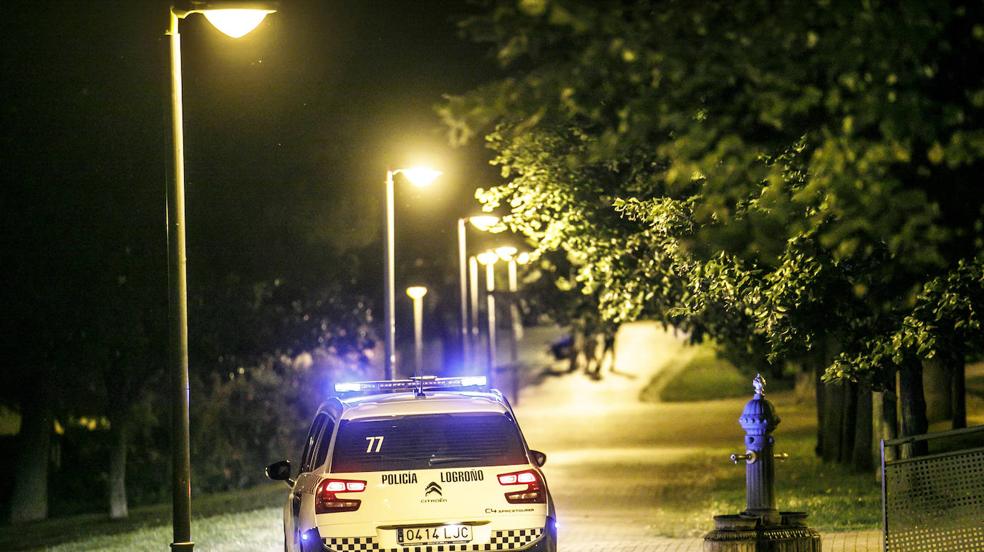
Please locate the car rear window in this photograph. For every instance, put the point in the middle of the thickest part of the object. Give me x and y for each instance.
(427, 441)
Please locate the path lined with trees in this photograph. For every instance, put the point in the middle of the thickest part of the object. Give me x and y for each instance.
(799, 182)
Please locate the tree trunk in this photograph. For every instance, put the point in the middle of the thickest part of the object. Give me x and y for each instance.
(805, 385)
(117, 469)
(913, 403)
(958, 391)
(861, 460)
(833, 419)
(848, 420)
(816, 364)
(888, 418)
(936, 383)
(820, 390)
(29, 499)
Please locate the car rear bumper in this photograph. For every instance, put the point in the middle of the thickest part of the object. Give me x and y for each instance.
(518, 540)
(539, 546)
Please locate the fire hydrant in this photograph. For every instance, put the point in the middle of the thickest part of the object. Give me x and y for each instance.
(761, 527)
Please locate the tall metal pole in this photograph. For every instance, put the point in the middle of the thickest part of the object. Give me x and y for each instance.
(516, 330)
(389, 302)
(515, 323)
(418, 336)
(490, 298)
(473, 287)
(178, 311)
(463, 289)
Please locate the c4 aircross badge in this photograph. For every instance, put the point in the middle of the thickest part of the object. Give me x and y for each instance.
(433, 487)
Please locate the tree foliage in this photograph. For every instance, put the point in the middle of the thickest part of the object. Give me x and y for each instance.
(769, 174)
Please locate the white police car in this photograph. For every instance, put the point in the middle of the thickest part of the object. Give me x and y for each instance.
(421, 465)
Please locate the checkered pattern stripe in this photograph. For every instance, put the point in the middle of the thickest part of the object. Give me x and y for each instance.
(515, 539)
(351, 544)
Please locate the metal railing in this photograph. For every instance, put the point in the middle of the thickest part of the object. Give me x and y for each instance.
(934, 502)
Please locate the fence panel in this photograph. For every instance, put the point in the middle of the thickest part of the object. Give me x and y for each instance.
(935, 503)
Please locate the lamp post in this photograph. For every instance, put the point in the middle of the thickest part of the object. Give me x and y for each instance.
(508, 253)
(417, 293)
(517, 323)
(485, 223)
(489, 259)
(418, 176)
(234, 22)
(473, 299)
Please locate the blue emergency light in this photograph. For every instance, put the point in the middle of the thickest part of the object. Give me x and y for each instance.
(418, 384)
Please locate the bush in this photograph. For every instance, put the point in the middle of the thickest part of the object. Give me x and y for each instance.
(245, 419)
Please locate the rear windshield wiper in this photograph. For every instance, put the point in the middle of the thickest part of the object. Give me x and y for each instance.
(449, 459)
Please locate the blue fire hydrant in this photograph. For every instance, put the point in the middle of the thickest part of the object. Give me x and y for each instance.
(761, 527)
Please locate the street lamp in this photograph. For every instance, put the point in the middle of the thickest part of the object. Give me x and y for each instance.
(489, 259)
(420, 177)
(485, 223)
(235, 20)
(473, 297)
(417, 293)
(508, 253)
(511, 256)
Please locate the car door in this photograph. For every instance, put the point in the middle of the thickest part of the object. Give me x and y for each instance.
(300, 483)
(324, 444)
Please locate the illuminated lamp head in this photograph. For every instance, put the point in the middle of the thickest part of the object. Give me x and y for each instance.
(486, 223)
(236, 22)
(416, 292)
(488, 257)
(420, 176)
(506, 252)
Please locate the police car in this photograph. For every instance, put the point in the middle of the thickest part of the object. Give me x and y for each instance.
(421, 465)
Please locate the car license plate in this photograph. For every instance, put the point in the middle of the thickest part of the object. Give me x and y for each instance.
(442, 534)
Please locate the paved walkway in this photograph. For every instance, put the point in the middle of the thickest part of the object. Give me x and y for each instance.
(611, 458)
(860, 541)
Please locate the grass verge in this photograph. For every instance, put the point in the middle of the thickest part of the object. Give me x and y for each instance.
(220, 516)
(687, 477)
(696, 374)
(705, 483)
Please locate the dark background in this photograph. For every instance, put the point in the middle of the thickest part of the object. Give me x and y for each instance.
(289, 132)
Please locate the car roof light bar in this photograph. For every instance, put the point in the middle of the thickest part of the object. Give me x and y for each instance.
(415, 384)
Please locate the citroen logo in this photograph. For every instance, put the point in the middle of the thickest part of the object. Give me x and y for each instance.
(433, 487)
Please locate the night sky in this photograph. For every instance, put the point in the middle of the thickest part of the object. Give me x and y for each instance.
(288, 133)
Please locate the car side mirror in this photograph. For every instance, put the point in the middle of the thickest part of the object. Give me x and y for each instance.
(280, 471)
(539, 457)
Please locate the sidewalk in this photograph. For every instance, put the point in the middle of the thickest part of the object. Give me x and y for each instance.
(860, 541)
(611, 448)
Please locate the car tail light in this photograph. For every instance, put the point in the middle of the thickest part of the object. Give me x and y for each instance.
(326, 501)
(532, 494)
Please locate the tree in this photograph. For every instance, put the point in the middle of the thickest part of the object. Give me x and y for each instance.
(776, 176)
(266, 354)
(126, 325)
(44, 339)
